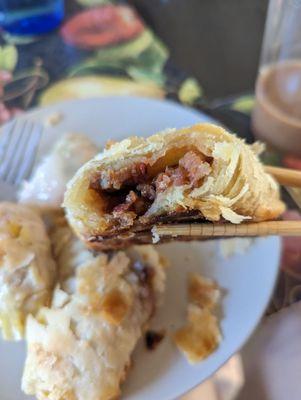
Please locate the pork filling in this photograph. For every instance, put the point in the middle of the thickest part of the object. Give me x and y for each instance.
(132, 190)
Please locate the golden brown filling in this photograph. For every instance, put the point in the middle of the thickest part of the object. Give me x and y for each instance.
(131, 190)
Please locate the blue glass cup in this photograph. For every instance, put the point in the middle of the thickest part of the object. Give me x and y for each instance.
(25, 20)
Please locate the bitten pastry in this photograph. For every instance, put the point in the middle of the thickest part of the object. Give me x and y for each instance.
(200, 172)
(47, 186)
(27, 270)
(80, 348)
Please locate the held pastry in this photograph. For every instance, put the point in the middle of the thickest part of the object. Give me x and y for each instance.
(81, 347)
(200, 172)
(27, 270)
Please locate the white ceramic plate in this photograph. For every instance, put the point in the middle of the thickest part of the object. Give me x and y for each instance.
(247, 279)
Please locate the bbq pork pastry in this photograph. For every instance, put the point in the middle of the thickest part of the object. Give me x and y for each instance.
(27, 270)
(80, 348)
(200, 172)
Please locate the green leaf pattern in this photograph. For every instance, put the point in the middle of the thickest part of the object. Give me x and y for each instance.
(8, 58)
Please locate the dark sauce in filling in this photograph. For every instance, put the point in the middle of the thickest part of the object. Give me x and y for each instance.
(145, 274)
(153, 339)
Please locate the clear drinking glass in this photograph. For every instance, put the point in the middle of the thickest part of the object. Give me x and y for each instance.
(24, 20)
(276, 118)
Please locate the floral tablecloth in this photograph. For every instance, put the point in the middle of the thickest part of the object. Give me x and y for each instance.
(105, 48)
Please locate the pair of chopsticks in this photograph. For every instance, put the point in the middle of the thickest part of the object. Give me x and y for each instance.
(195, 230)
(284, 176)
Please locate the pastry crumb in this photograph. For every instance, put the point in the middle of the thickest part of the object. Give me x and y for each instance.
(53, 119)
(258, 147)
(203, 292)
(201, 334)
(233, 246)
(155, 235)
(109, 144)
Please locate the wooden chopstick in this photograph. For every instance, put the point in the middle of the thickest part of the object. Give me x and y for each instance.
(295, 194)
(279, 228)
(285, 176)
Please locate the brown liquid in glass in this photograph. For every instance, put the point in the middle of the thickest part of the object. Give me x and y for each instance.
(276, 118)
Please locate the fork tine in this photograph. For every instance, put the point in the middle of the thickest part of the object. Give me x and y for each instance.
(5, 137)
(19, 152)
(29, 153)
(14, 139)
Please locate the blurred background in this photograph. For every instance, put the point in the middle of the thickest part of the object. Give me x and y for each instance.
(216, 41)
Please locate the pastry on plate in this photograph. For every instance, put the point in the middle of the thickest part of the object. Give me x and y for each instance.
(201, 334)
(27, 270)
(80, 348)
(47, 186)
(201, 172)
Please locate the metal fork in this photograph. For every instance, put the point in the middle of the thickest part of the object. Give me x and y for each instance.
(18, 147)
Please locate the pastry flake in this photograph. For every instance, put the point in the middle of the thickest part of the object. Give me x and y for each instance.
(201, 335)
(203, 292)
